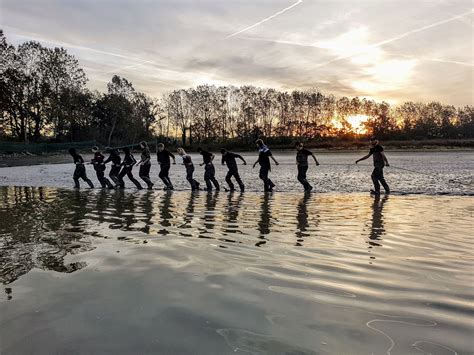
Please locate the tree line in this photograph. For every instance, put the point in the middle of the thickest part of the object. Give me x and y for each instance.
(43, 96)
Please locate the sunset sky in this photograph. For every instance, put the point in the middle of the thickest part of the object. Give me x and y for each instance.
(386, 50)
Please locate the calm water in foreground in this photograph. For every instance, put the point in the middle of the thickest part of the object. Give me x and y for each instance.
(151, 272)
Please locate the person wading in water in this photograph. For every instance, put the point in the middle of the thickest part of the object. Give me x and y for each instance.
(99, 167)
(127, 165)
(229, 159)
(380, 160)
(145, 165)
(80, 171)
(188, 163)
(264, 155)
(302, 155)
(209, 169)
(163, 155)
(114, 157)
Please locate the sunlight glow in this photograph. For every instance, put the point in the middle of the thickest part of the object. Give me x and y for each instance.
(356, 122)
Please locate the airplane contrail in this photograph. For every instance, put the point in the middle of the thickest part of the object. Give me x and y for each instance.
(265, 19)
(396, 38)
(128, 67)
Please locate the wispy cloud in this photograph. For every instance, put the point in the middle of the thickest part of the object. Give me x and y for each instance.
(265, 19)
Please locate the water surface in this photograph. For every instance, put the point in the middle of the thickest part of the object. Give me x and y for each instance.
(283, 273)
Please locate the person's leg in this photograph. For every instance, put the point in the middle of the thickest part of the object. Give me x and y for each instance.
(76, 178)
(239, 180)
(144, 174)
(101, 178)
(383, 182)
(375, 180)
(213, 177)
(229, 181)
(263, 175)
(163, 174)
(132, 179)
(167, 177)
(189, 177)
(86, 179)
(113, 174)
(120, 176)
(207, 177)
(302, 177)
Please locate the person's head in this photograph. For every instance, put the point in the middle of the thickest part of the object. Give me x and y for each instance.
(143, 145)
(259, 143)
(180, 151)
(299, 145)
(126, 150)
(72, 151)
(223, 151)
(161, 147)
(199, 149)
(114, 151)
(374, 141)
(95, 149)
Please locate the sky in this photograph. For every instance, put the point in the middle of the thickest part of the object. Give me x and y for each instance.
(380, 49)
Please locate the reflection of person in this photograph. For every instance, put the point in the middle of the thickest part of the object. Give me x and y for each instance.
(209, 169)
(80, 171)
(99, 167)
(264, 156)
(265, 217)
(188, 163)
(145, 165)
(147, 206)
(128, 162)
(302, 219)
(302, 155)
(163, 155)
(165, 211)
(377, 229)
(209, 215)
(380, 160)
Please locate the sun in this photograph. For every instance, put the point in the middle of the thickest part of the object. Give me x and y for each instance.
(356, 122)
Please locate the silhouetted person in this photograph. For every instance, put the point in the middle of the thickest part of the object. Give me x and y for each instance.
(99, 166)
(188, 163)
(127, 166)
(302, 155)
(80, 171)
(114, 157)
(145, 165)
(163, 155)
(380, 160)
(229, 159)
(264, 155)
(209, 169)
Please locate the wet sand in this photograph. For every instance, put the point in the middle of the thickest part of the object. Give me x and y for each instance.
(284, 273)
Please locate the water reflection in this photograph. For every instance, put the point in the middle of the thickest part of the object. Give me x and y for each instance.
(377, 228)
(302, 220)
(265, 218)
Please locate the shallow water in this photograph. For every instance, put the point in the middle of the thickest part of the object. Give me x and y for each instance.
(428, 173)
(283, 273)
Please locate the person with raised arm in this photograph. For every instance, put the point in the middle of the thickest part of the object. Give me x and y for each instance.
(99, 167)
(229, 159)
(127, 166)
(145, 165)
(209, 169)
(163, 156)
(114, 157)
(380, 161)
(80, 170)
(264, 156)
(188, 163)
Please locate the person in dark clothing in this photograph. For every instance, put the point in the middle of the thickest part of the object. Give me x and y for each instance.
(80, 171)
(380, 160)
(302, 155)
(163, 155)
(145, 165)
(229, 159)
(99, 167)
(264, 156)
(209, 169)
(127, 165)
(114, 157)
(188, 163)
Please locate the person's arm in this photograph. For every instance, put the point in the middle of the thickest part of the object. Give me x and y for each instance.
(315, 160)
(147, 158)
(108, 159)
(212, 157)
(241, 158)
(222, 160)
(274, 160)
(364, 157)
(258, 159)
(385, 159)
(172, 156)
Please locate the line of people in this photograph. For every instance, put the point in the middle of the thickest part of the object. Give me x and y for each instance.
(121, 168)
